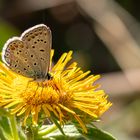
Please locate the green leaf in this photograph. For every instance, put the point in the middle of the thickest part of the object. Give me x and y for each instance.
(96, 134)
(5, 130)
(9, 127)
(70, 131)
(22, 136)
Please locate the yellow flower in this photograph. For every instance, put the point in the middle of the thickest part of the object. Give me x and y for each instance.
(69, 94)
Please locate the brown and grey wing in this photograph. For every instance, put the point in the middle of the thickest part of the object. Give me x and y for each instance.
(39, 41)
(15, 55)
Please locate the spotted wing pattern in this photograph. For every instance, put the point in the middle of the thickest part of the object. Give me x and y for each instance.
(29, 55)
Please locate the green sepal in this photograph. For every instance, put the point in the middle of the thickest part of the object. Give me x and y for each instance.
(57, 124)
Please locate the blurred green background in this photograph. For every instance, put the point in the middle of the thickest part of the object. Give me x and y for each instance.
(105, 38)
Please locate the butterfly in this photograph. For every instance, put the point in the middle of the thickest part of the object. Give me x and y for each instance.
(29, 54)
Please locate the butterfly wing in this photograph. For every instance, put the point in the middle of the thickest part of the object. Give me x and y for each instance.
(15, 56)
(39, 40)
(29, 55)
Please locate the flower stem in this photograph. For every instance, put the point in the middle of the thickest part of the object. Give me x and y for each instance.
(14, 127)
(47, 130)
